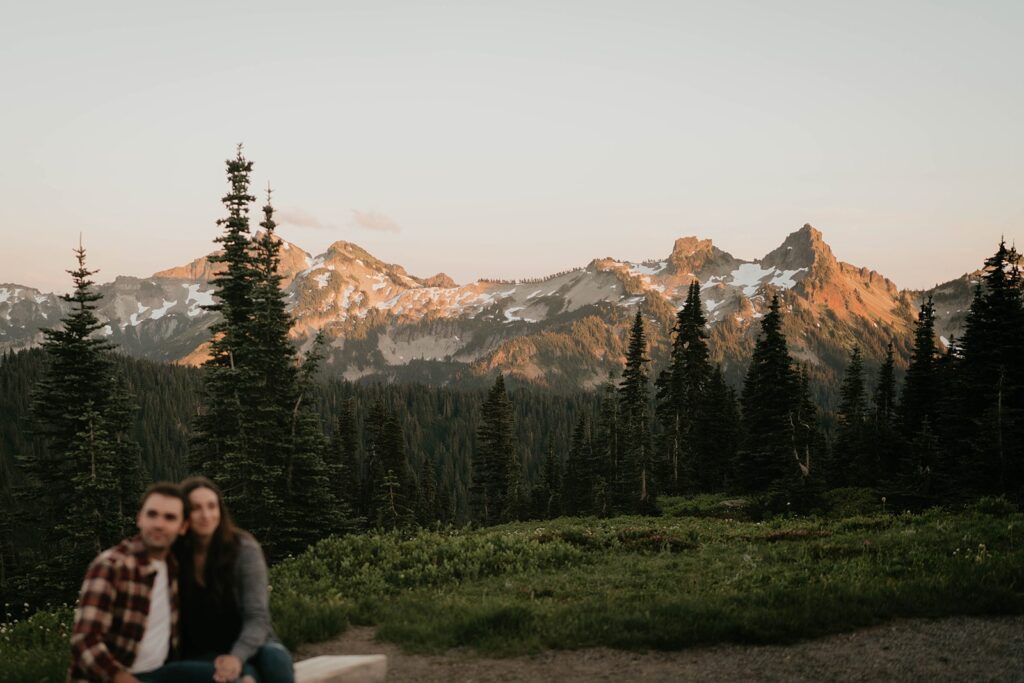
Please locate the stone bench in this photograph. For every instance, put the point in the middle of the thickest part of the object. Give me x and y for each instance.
(342, 669)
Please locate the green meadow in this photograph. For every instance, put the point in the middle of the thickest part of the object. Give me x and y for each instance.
(703, 572)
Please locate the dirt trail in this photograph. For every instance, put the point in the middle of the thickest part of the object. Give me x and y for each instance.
(955, 649)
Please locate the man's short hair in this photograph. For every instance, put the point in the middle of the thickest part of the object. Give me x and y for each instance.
(165, 488)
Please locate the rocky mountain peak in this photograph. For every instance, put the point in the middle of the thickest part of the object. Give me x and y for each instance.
(350, 251)
(804, 248)
(293, 261)
(689, 246)
(691, 255)
(440, 280)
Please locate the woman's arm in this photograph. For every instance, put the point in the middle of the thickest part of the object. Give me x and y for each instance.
(253, 603)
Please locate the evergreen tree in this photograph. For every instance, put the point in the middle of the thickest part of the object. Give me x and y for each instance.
(389, 495)
(374, 466)
(309, 508)
(84, 489)
(884, 426)
(681, 391)
(717, 433)
(606, 447)
(919, 408)
(853, 462)
(494, 462)
(226, 447)
(633, 490)
(547, 498)
(807, 480)
(989, 384)
(920, 389)
(580, 475)
(259, 436)
(344, 456)
(771, 459)
(426, 495)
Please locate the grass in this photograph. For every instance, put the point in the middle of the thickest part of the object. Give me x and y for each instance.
(696, 575)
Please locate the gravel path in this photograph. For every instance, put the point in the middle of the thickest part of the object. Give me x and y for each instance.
(955, 649)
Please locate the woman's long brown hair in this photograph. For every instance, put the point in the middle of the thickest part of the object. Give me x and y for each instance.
(219, 570)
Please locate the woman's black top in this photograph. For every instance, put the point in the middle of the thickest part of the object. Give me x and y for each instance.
(208, 626)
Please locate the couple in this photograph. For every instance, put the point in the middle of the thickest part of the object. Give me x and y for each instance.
(184, 601)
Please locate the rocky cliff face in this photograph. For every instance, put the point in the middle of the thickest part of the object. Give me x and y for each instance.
(564, 331)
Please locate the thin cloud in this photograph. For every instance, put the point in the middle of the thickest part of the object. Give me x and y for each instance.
(371, 220)
(300, 218)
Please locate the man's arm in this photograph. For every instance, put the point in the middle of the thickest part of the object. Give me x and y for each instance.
(92, 621)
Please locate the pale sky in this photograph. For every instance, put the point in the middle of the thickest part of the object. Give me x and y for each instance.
(513, 139)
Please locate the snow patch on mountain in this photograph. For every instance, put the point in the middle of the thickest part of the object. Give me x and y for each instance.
(196, 299)
(784, 279)
(313, 265)
(648, 267)
(133, 320)
(511, 317)
(749, 277)
(427, 347)
(158, 313)
(345, 297)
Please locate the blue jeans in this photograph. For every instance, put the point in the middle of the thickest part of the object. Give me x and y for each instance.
(185, 671)
(273, 664)
(189, 671)
(270, 664)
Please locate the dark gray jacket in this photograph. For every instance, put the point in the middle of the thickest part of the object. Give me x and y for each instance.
(252, 599)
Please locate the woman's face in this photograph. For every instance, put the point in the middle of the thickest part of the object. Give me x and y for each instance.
(204, 512)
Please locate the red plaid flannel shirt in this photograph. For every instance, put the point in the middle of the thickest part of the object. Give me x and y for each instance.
(112, 611)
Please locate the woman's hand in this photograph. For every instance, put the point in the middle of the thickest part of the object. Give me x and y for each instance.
(227, 668)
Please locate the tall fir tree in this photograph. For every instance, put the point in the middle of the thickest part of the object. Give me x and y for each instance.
(397, 493)
(225, 447)
(633, 489)
(579, 481)
(373, 477)
(920, 388)
(919, 408)
(547, 497)
(884, 432)
(494, 464)
(606, 446)
(426, 495)
(257, 435)
(853, 462)
(770, 460)
(344, 459)
(717, 433)
(681, 390)
(310, 510)
(989, 384)
(83, 492)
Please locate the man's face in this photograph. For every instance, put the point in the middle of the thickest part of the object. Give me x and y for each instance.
(161, 520)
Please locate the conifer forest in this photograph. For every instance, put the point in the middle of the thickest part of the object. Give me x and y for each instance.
(303, 455)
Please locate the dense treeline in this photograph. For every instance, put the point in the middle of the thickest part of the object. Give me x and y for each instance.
(82, 429)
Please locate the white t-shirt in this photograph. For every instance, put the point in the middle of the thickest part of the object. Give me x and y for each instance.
(156, 639)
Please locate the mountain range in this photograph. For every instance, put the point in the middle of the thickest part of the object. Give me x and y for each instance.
(564, 331)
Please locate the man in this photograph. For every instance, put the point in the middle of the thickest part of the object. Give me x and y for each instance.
(126, 623)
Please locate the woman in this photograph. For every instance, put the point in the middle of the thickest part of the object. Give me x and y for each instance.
(225, 614)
